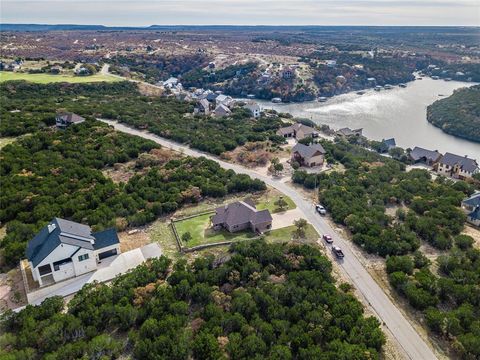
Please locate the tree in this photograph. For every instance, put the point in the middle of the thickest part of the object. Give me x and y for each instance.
(205, 347)
(281, 203)
(301, 225)
(186, 237)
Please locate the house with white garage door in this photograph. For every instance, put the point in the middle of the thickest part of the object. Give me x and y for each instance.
(65, 249)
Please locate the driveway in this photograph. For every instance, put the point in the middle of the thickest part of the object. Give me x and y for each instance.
(394, 321)
(286, 218)
(107, 270)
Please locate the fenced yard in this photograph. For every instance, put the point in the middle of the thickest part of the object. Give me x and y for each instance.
(201, 234)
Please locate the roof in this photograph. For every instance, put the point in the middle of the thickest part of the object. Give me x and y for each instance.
(475, 214)
(105, 238)
(465, 163)
(473, 200)
(204, 103)
(60, 231)
(212, 96)
(308, 151)
(240, 212)
(71, 117)
(418, 153)
(347, 131)
(390, 143)
(222, 109)
(252, 106)
(295, 128)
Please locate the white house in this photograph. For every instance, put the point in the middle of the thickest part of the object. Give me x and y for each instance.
(64, 249)
(254, 109)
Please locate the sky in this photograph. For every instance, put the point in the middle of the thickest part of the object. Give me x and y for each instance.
(242, 12)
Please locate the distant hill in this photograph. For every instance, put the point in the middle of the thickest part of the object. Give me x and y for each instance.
(459, 114)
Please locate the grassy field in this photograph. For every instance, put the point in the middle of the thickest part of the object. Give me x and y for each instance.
(269, 203)
(49, 78)
(161, 231)
(286, 234)
(201, 232)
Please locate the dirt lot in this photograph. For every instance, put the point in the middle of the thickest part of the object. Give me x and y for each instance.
(474, 233)
(12, 290)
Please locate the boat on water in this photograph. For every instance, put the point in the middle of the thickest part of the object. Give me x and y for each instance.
(388, 87)
(402, 85)
(361, 92)
(250, 96)
(276, 100)
(322, 99)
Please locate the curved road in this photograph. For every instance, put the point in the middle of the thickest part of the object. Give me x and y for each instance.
(409, 340)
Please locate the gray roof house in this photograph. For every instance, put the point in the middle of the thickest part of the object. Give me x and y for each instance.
(347, 132)
(222, 110)
(203, 107)
(241, 215)
(428, 157)
(64, 120)
(297, 131)
(64, 249)
(456, 166)
(313, 155)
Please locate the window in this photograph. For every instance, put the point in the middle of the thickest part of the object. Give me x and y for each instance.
(57, 264)
(83, 257)
(45, 269)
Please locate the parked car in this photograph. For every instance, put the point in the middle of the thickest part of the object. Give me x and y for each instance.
(338, 252)
(328, 238)
(320, 209)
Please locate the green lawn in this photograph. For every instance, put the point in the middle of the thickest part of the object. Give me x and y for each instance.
(286, 234)
(49, 78)
(269, 203)
(162, 232)
(201, 232)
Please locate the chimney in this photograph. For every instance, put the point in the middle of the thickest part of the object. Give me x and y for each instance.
(51, 227)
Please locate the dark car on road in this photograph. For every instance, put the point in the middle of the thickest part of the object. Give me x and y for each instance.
(338, 252)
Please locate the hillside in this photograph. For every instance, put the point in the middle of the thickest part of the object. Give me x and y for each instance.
(459, 114)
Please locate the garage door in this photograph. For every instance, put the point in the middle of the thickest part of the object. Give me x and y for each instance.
(106, 254)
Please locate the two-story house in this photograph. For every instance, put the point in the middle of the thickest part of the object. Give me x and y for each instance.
(456, 166)
(64, 249)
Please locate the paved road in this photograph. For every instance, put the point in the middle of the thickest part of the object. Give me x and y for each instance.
(409, 340)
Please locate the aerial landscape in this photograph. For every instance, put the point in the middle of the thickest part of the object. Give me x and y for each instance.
(240, 180)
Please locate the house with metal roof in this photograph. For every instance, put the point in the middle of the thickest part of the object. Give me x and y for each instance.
(64, 120)
(456, 166)
(242, 215)
(312, 155)
(64, 249)
(474, 217)
(421, 155)
(471, 203)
